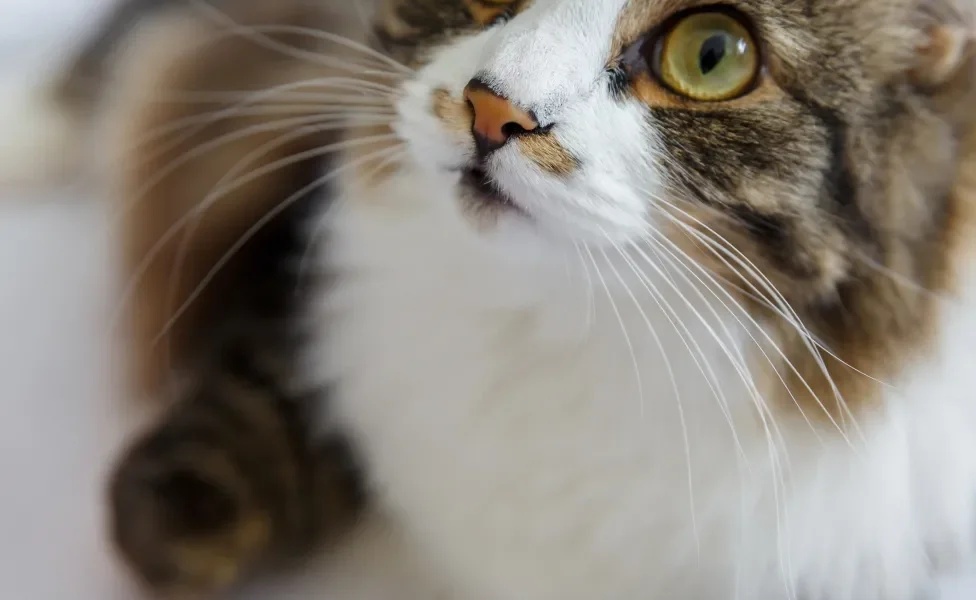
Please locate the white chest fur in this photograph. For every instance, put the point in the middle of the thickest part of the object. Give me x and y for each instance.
(550, 434)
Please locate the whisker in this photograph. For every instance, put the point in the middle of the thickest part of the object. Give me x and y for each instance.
(230, 186)
(754, 295)
(623, 328)
(780, 353)
(681, 267)
(378, 168)
(900, 279)
(291, 91)
(202, 149)
(706, 370)
(230, 110)
(688, 340)
(769, 425)
(776, 449)
(301, 116)
(767, 418)
(261, 223)
(727, 249)
(674, 385)
(216, 192)
(590, 301)
(371, 65)
(372, 74)
(214, 196)
(256, 33)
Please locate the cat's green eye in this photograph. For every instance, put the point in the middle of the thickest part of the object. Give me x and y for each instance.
(707, 56)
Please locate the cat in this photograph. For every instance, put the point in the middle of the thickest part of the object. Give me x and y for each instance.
(635, 299)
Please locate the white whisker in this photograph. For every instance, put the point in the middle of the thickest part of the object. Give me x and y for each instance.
(261, 223)
(674, 386)
(623, 329)
(378, 168)
(202, 149)
(231, 110)
(689, 341)
(590, 303)
(738, 361)
(256, 33)
(318, 89)
(301, 116)
(215, 195)
(776, 443)
(726, 251)
(216, 192)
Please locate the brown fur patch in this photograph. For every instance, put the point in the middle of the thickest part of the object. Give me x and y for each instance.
(545, 151)
(486, 11)
(408, 29)
(180, 69)
(887, 312)
(892, 314)
(833, 180)
(455, 113)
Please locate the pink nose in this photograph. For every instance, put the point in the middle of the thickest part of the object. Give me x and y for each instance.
(495, 118)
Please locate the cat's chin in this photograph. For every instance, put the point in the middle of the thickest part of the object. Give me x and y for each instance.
(479, 189)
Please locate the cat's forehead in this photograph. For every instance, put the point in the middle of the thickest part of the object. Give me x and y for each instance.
(796, 26)
(623, 18)
(596, 30)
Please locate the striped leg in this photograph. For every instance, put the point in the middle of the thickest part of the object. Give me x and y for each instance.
(229, 482)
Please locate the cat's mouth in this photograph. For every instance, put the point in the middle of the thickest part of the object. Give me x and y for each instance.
(484, 191)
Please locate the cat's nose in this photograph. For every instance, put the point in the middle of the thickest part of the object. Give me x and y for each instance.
(496, 119)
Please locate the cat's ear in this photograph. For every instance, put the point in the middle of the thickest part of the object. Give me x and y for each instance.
(948, 50)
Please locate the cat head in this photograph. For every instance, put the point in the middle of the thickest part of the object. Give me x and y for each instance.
(815, 145)
(595, 116)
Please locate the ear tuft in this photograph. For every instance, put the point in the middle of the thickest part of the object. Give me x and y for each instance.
(949, 44)
(946, 49)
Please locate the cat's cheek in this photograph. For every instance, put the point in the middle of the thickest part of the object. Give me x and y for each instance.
(440, 141)
(427, 140)
(609, 196)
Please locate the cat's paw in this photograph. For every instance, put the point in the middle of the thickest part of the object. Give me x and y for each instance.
(185, 525)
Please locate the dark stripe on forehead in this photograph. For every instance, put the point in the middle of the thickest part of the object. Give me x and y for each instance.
(839, 182)
(841, 186)
(769, 229)
(405, 27)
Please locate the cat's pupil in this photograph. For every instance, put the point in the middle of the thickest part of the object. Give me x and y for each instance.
(711, 54)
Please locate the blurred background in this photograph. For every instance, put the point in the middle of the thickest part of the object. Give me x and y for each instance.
(36, 29)
(57, 428)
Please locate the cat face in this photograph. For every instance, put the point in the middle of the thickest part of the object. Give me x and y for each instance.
(769, 120)
(815, 141)
(591, 162)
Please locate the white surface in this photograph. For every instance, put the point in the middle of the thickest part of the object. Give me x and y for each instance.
(55, 423)
(59, 421)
